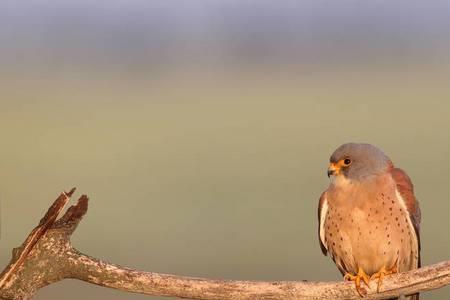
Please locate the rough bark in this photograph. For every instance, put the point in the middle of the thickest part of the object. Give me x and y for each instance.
(47, 256)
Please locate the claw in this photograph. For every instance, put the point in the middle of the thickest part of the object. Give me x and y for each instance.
(357, 279)
(382, 273)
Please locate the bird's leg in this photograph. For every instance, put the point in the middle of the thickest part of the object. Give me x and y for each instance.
(382, 273)
(357, 279)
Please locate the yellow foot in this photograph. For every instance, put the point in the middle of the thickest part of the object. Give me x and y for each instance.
(382, 273)
(357, 279)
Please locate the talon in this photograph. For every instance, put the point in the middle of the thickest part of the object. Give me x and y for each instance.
(381, 274)
(365, 279)
(357, 279)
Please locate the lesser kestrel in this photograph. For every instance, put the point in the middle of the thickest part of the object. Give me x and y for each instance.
(369, 218)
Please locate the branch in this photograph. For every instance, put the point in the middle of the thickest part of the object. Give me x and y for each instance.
(47, 256)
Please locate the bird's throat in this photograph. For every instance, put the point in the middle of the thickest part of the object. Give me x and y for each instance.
(340, 181)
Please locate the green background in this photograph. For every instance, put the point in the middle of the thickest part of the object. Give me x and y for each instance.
(202, 133)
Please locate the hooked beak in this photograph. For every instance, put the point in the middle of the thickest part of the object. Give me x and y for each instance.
(330, 173)
(333, 169)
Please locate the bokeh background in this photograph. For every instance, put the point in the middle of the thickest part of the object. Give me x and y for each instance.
(201, 130)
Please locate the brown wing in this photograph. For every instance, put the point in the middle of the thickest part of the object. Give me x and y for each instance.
(406, 190)
(321, 214)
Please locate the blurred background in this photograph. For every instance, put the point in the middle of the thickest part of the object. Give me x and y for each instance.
(201, 130)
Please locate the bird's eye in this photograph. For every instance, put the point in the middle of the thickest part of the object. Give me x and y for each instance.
(347, 161)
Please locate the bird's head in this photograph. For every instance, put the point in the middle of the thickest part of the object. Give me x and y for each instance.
(356, 162)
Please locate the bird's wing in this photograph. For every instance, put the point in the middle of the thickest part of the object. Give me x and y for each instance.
(322, 213)
(406, 190)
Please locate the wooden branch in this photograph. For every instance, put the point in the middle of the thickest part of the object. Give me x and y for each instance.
(47, 256)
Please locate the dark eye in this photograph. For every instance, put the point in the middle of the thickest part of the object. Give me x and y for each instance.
(347, 161)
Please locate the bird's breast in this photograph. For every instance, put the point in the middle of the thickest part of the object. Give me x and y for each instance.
(365, 226)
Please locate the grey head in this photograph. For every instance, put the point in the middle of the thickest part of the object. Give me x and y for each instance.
(358, 161)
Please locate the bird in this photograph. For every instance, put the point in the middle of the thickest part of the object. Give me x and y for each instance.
(369, 219)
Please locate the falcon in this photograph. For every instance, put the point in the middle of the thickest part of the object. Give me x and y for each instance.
(369, 218)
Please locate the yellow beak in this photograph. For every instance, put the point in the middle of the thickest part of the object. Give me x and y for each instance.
(333, 169)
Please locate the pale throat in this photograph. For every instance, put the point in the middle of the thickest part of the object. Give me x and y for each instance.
(340, 181)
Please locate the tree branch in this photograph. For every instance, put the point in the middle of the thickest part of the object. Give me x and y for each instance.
(47, 256)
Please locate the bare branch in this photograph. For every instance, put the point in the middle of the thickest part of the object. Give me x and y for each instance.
(109, 275)
(47, 256)
(19, 254)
